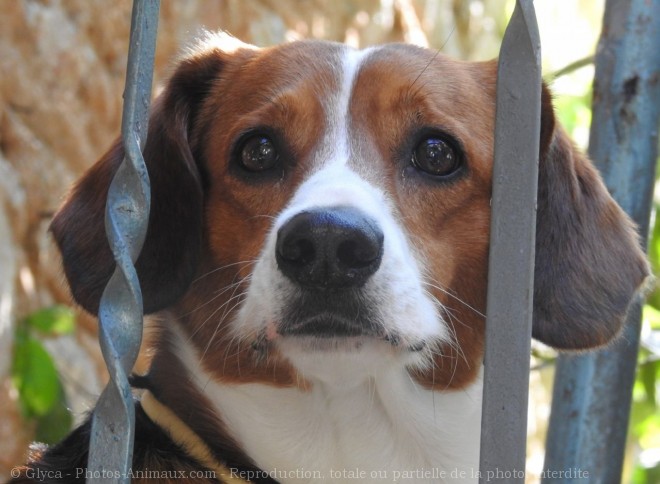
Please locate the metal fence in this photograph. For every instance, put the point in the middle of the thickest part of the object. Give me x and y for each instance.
(127, 215)
(592, 395)
(628, 50)
(512, 244)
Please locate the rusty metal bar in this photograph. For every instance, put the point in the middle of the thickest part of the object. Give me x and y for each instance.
(592, 393)
(511, 262)
(126, 218)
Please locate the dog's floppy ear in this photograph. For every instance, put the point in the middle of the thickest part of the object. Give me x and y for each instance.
(171, 250)
(589, 263)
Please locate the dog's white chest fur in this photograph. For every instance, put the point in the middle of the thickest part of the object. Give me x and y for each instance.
(382, 427)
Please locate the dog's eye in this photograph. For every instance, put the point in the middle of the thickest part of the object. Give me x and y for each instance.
(258, 153)
(436, 157)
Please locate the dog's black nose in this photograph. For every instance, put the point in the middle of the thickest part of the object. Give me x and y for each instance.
(336, 247)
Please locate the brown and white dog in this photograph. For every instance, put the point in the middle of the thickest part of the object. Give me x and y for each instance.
(316, 264)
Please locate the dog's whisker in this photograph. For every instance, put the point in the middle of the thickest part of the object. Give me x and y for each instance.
(455, 344)
(219, 325)
(222, 268)
(235, 339)
(443, 308)
(227, 288)
(203, 323)
(433, 58)
(453, 296)
(270, 217)
(451, 327)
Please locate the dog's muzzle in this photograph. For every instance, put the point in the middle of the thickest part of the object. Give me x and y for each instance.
(329, 254)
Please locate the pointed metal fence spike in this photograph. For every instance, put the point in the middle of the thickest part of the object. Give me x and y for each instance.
(511, 260)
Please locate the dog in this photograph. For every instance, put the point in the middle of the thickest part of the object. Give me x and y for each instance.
(316, 261)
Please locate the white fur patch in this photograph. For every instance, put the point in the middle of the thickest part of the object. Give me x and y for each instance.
(385, 428)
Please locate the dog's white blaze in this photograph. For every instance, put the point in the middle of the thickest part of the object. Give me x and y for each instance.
(335, 147)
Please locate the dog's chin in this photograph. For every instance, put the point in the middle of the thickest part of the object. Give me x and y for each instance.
(347, 356)
(329, 344)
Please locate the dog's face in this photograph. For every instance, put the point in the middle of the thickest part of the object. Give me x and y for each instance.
(350, 182)
(320, 211)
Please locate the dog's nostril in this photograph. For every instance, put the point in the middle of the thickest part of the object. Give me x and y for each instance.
(358, 254)
(299, 251)
(337, 247)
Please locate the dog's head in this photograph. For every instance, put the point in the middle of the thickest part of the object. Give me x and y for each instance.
(317, 207)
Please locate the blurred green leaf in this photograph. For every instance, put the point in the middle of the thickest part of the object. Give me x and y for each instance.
(41, 396)
(56, 424)
(34, 376)
(574, 111)
(55, 320)
(651, 315)
(648, 373)
(643, 475)
(653, 298)
(654, 247)
(649, 432)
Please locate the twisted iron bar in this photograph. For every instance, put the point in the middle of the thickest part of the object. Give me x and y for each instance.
(126, 219)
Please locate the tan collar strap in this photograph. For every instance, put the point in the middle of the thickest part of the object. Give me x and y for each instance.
(185, 437)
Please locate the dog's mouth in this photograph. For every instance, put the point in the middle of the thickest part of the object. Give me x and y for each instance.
(329, 325)
(331, 315)
(328, 331)
(339, 320)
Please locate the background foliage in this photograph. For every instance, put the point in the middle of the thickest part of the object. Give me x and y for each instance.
(40, 392)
